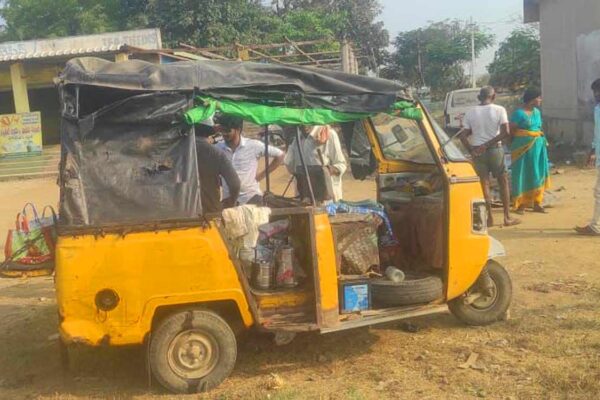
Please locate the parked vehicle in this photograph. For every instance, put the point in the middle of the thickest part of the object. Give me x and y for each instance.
(136, 264)
(456, 105)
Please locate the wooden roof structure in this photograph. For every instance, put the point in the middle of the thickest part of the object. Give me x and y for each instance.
(321, 53)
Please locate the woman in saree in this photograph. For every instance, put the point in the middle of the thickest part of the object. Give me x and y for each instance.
(530, 170)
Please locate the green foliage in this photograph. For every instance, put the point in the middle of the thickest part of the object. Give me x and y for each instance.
(28, 19)
(203, 23)
(517, 61)
(209, 22)
(354, 20)
(434, 56)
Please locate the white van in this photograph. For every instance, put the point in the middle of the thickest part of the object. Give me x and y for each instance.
(457, 103)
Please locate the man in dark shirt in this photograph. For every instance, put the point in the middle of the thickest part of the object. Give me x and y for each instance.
(213, 163)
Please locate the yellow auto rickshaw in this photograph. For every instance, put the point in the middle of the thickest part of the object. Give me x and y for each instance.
(138, 262)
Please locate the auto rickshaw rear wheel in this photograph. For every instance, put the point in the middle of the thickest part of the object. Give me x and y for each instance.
(192, 351)
(488, 300)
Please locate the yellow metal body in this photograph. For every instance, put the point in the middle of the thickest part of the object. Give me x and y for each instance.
(467, 251)
(147, 270)
(327, 284)
(179, 267)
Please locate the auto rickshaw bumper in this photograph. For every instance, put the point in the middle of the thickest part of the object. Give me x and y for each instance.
(496, 249)
(77, 331)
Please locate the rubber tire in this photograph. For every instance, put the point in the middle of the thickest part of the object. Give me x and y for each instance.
(413, 290)
(472, 316)
(169, 328)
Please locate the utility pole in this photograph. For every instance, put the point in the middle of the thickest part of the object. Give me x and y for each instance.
(473, 80)
(419, 62)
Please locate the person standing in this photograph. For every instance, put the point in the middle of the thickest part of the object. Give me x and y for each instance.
(593, 228)
(244, 154)
(320, 146)
(530, 168)
(485, 126)
(214, 165)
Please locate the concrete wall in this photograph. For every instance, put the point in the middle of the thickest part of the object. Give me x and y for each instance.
(561, 23)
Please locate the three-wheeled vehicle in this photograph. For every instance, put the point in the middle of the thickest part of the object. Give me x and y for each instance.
(138, 262)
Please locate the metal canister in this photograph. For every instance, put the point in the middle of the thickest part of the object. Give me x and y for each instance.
(285, 267)
(394, 274)
(263, 275)
(247, 258)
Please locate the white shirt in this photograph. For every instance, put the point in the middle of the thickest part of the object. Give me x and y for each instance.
(484, 123)
(245, 162)
(332, 155)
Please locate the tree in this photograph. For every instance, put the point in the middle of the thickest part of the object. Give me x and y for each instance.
(354, 20)
(517, 62)
(435, 55)
(35, 19)
(29, 19)
(204, 23)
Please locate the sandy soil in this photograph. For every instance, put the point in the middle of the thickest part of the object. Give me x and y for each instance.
(549, 348)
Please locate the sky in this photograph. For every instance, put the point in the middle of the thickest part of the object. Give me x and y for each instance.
(499, 17)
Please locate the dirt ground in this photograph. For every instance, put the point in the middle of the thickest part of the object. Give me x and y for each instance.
(548, 349)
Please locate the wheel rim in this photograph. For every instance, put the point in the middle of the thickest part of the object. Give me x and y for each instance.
(193, 354)
(487, 300)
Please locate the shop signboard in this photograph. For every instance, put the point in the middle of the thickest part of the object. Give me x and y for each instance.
(149, 39)
(20, 134)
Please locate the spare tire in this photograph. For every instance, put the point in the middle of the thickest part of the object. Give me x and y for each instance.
(414, 289)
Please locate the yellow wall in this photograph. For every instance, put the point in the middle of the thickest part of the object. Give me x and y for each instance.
(18, 81)
(41, 95)
(37, 75)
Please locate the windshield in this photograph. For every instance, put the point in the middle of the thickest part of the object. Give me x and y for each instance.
(401, 139)
(453, 148)
(465, 99)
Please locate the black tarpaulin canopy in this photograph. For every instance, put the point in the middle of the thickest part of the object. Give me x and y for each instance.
(237, 80)
(127, 156)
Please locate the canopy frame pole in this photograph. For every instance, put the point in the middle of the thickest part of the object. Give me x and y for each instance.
(304, 167)
(267, 177)
(77, 101)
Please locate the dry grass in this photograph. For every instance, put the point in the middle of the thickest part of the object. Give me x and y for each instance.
(549, 349)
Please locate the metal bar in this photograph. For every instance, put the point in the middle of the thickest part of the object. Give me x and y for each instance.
(266, 46)
(267, 178)
(319, 53)
(304, 167)
(119, 228)
(388, 316)
(202, 52)
(267, 57)
(302, 51)
(325, 61)
(77, 101)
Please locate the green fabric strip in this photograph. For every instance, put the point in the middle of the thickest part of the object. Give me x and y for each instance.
(267, 115)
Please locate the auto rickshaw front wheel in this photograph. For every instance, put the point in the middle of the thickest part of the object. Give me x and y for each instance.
(192, 351)
(488, 300)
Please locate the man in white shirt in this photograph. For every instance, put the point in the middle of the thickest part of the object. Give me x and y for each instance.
(485, 126)
(593, 228)
(320, 146)
(244, 154)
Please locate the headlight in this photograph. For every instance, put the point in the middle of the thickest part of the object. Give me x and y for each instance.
(479, 217)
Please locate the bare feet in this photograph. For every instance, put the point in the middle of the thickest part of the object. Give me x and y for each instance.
(512, 222)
